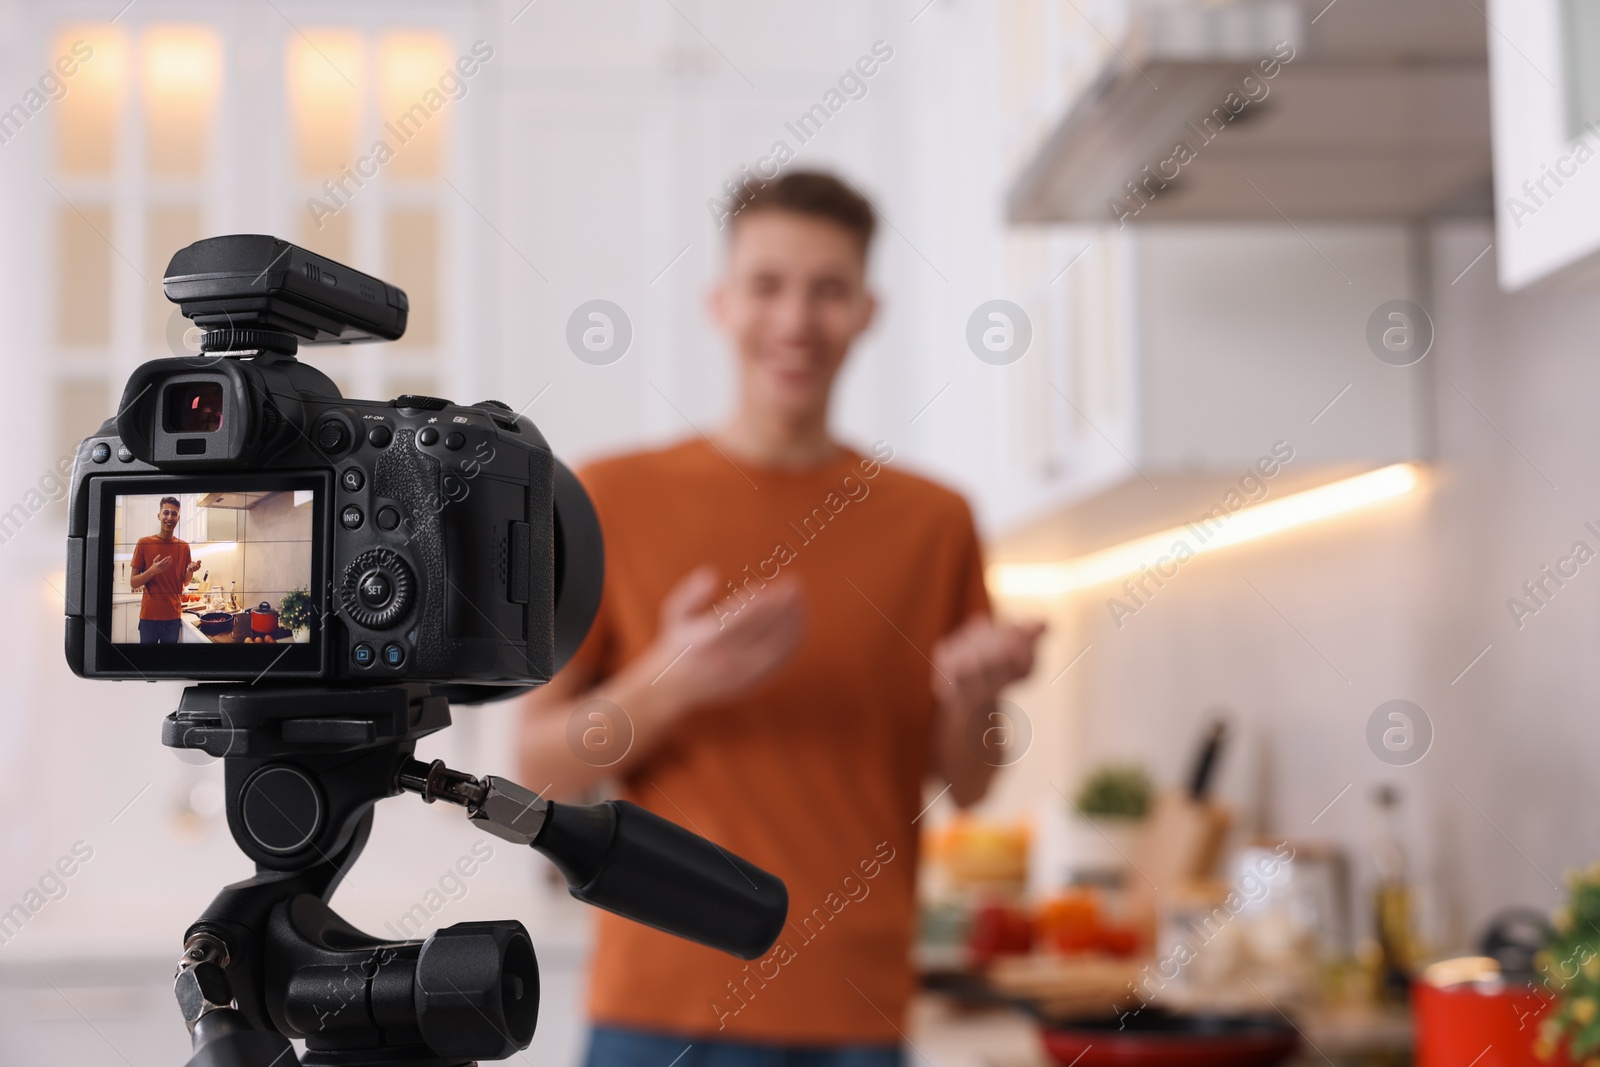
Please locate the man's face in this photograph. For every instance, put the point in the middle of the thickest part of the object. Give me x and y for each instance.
(792, 302)
(168, 516)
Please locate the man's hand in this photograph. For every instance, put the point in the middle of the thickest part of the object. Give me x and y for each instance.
(708, 652)
(980, 658)
(970, 668)
(160, 566)
(193, 567)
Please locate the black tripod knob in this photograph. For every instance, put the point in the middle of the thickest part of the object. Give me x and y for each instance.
(477, 990)
(469, 992)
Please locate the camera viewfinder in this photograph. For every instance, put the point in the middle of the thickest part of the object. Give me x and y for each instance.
(193, 407)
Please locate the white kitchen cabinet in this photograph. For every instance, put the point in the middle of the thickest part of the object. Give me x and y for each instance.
(1544, 68)
(125, 622)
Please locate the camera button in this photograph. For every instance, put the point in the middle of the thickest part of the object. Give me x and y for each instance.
(375, 590)
(388, 518)
(393, 655)
(331, 436)
(363, 655)
(125, 454)
(419, 401)
(353, 479)
(454, 440)
(351, 518)
(100, 453)
(427, 436)
(379, 437)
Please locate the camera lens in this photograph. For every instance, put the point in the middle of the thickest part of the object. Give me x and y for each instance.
(193, 407)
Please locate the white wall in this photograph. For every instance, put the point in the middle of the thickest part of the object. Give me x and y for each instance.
(1304, 635)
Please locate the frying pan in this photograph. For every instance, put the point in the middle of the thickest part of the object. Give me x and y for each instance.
(213, 623)
(1157, 1038)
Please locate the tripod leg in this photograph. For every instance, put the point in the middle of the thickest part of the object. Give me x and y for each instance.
(224, 1039)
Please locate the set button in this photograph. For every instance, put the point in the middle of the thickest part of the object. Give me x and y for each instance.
(375, 590)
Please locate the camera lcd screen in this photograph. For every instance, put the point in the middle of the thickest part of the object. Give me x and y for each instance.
(217, 568)
(210, 576)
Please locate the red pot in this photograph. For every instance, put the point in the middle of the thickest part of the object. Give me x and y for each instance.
(264, 620)
(1456, 1024)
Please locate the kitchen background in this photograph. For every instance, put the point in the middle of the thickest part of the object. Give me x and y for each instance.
(1378, 257)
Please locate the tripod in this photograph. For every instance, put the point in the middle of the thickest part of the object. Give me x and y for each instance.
(269, 959)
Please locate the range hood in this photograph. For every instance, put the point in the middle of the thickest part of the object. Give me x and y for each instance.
(1375, 110)
(1294, 229)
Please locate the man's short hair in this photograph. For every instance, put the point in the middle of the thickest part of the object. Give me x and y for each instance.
(171, 500)
(818, 195)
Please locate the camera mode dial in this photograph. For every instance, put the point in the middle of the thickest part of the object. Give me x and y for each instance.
(378, 589)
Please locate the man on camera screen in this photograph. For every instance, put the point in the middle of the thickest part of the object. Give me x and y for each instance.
(793, 639)
(160, 568)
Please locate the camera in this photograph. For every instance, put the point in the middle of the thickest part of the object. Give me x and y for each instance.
(368, 563)
(238, 517)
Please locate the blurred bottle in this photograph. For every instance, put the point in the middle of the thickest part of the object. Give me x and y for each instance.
(1392, 902)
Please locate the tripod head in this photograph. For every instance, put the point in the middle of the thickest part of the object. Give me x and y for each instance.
(270, 960)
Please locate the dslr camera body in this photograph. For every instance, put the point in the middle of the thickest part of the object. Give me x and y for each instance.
(435, 542)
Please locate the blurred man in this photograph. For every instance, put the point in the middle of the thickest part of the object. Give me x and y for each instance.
(793, 639)
(161, 568)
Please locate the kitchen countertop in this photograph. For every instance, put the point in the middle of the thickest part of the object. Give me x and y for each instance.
(945, 1034)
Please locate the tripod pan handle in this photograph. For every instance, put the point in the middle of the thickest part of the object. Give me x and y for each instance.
(630, 861)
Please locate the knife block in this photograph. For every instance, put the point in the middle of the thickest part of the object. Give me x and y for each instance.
(1181, 841)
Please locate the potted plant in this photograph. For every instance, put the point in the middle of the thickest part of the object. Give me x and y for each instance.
(1569, 967)
(296, 611)
(1111, 805)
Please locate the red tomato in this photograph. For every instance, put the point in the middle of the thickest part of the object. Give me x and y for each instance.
(999, 930)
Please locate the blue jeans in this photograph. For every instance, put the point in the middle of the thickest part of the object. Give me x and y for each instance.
(160, 631)
(613, 1047)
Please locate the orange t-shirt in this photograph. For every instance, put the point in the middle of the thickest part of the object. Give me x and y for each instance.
(163, 594)
(817, 774)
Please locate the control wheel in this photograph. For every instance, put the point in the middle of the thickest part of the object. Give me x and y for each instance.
(378, 589)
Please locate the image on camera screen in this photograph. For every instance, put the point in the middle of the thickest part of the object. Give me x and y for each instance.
(220, 568)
